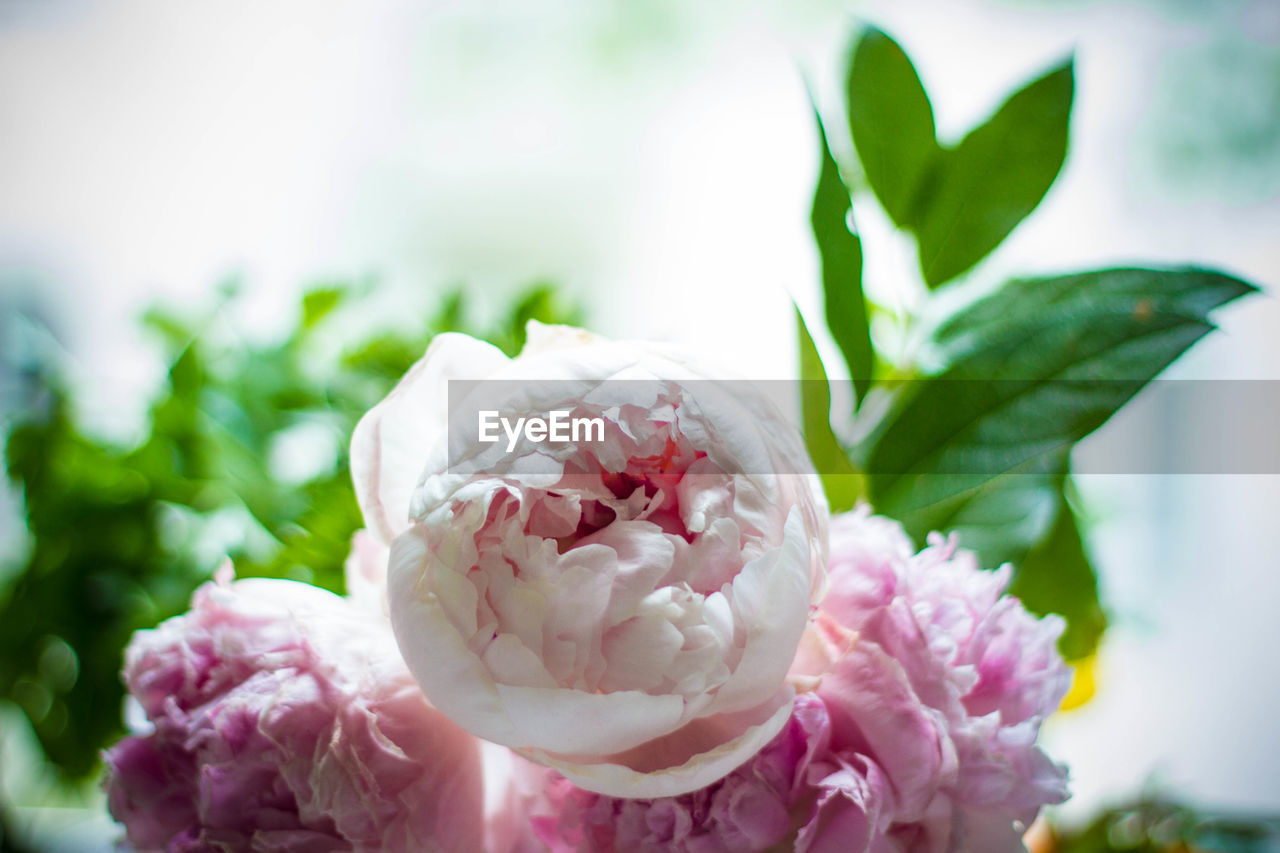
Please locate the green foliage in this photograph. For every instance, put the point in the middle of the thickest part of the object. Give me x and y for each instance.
(540, 302)
(1057, 576)
(98, 571)
(1155, 825)
(841, 253)
(979, 443)
(843, 484)
(891, 121)
(1031, 370)
(982, 447)
(960, 201)
(995, 177)
(122, 536)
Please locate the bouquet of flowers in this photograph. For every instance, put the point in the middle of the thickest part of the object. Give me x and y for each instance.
(676, 643)
(605, 595)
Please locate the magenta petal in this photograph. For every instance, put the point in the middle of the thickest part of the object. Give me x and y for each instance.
(292, 724)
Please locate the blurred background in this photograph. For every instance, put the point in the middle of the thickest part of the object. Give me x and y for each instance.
(654, 160)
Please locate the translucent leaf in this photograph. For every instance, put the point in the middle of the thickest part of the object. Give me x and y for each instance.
(841, 481)
(985, 186)
(891, 120)
(841, 254)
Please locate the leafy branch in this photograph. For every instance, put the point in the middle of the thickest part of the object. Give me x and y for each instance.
(979, 441)
(121, 536)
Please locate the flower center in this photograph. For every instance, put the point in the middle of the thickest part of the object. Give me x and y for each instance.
(614, 577)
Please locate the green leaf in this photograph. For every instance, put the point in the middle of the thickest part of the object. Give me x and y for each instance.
(1057, 576)
(961, 201)
(997, 175)
(121, 536)
(892, 124)
(1032, 369)
(1158, 824)
(982, 448)
(319, 303)
(841, 255)
(1025, 519)
(95, 573)
(539, 302)
(1137, 297)
(842, 482)
(175, 333)
(1001, 520)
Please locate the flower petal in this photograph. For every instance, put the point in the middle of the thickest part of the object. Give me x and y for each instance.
(694, 756)
(391, 442)
(874, 711)
(453, 676)
(772, 600)
(576, 722)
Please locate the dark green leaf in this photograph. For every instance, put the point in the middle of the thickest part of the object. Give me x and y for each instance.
(840, 480)
(1025, 519)
(892, 124)
(1000, 520)
(1031, 370)
(960, 202)
(841, 256)
(121, 536)
(96, 573)
(1056, 576)
(1137, 296)
(985, 186)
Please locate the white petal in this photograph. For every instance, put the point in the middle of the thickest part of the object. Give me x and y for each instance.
(643, 555)
(541, 337)
(511, 661)
(693, 757)
(770, 597)
(390, 445)
(580, 723)
(522, 612)
(639, 652)
(451, 675)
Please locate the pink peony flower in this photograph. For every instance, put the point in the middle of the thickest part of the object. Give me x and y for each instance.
(944, 686)
(623, 609)
(282, 718)
(748, 811)
(925, 689)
